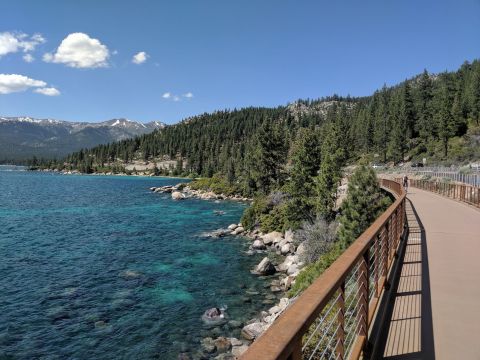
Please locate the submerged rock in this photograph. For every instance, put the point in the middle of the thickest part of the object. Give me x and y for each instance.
(222, 344)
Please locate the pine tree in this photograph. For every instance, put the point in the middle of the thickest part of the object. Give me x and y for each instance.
(407, 111)
(363, 204)
(445, 119)
(425, 123)
(305, 159)
(399, 131)
(475, 95)
(270, 156)
(330, 174)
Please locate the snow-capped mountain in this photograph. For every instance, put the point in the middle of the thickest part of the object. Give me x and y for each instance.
(24, 137)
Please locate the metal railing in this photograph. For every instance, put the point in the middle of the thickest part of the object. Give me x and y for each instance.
(332, 317)
(461, 192)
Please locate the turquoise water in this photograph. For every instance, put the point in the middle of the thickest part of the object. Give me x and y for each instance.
(96, 267)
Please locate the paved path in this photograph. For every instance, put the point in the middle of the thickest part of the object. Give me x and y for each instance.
(436, 310)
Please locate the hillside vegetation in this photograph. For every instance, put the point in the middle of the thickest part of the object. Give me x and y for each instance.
(432, 116)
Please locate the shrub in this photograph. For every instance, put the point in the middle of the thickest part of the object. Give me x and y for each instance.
(318, 238)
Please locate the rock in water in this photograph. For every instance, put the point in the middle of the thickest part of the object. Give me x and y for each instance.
(177, 195)
(265, 267)
(238, 230)
(213, 316)
(232, 227)
(222, 344)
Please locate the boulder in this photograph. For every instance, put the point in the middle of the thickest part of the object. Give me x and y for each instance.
(301, 249)
(287, 248)
(232, 226)
(208, 345)
(258, 245)
(289, 261)
(225, 356)
(265, 267)
(239, 350)
(272, 238)
(234, 324)
(238, 230)
(177, 195)
(222, 344)
(275, 309)
(287, 282)
(253, 331)
(235, 342)
(293, 269)
(289, 236)
(283, 303)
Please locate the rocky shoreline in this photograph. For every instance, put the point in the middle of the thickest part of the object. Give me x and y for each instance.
(183, 191)
(281, 265)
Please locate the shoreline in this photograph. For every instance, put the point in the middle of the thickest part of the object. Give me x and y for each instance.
(279, 276)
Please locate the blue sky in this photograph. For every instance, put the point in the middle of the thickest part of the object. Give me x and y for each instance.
(217, 54)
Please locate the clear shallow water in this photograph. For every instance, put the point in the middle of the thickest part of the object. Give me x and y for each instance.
(100, 267)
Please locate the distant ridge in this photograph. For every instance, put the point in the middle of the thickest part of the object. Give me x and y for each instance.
(23, 137)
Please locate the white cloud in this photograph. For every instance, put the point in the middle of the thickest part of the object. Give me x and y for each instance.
(28, 58)
(173, 97)
(49, 91)
(78, 50)
(140, 58)
(10, 83)
(14, 42)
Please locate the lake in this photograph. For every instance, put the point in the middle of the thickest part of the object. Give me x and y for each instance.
(99, 267)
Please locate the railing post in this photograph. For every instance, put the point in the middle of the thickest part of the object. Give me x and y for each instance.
(340, 348)
(297, 350)
(377, 275)
(363, 293)
(385, 249)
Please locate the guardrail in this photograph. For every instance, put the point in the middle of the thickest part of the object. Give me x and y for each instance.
(332, 317)
(465, 193)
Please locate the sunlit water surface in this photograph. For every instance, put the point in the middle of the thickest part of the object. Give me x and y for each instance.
(97, 267)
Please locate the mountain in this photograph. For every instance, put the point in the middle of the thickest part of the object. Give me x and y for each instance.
(24, 137)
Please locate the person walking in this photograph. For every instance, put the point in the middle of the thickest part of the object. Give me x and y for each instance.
(405, 183)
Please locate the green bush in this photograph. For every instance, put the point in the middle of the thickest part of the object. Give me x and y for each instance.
(217, 184)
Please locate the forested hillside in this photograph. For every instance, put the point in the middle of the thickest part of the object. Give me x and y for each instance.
(435, 116)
